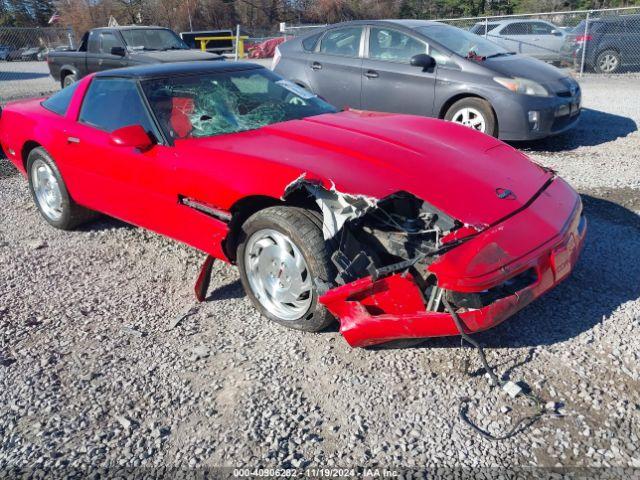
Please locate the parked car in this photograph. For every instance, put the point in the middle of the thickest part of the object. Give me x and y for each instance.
(612, 43)
(4, 52)
(536, 38)
(31, 54)
(400, 226)
(436, 70)
(107, 48)
(15, 55)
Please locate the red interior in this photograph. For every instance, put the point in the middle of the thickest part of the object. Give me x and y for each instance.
(182, 107)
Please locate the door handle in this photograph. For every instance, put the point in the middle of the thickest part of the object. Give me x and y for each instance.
(316, 66)
(100, 62)
(73, 140)
(371, 74)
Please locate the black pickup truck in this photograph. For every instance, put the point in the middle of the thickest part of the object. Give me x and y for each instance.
(107, 48)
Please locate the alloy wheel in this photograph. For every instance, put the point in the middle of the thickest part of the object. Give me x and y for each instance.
(608, 63)
(470, 117)
(47, 190)
(278, 274)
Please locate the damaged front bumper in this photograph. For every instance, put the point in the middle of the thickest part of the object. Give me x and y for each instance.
(488, 279)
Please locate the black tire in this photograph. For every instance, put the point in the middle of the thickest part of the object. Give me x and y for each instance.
(608, 61)
(68, 80)
(72, 213)
(304, 229)
(481, 106)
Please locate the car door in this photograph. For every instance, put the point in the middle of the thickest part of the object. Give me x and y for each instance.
(106, 60)
(123, 182)
(515, 37)
(547, 41)
(334, 69)
(389, 82)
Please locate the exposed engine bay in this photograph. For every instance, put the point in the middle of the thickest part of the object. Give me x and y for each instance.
(403, 268)
(375, 238)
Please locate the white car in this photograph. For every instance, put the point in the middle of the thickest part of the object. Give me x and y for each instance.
(536, 38)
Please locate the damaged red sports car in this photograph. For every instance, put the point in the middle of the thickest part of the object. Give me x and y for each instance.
(398, 226)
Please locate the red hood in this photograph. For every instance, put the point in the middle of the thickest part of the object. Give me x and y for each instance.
(451, 167)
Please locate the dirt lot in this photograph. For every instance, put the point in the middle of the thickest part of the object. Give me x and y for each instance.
(91, 375)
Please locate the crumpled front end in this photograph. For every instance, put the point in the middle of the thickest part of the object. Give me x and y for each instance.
(397, 258)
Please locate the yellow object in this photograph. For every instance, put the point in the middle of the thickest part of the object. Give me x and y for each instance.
(204, 40)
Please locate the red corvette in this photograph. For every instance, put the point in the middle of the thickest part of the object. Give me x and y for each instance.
(396, 225)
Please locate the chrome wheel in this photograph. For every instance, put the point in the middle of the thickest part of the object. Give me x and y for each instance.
(278, 274)
(608, 63)
(68, 80)
(470, 117)
(47, 190)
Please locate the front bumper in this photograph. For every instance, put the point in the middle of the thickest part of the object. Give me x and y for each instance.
(392, 308)
(556, 115)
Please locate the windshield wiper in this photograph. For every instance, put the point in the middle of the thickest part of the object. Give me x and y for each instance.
(500, 54)
(174, 48)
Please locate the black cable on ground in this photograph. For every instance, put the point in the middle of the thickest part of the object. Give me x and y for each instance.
(521, 424)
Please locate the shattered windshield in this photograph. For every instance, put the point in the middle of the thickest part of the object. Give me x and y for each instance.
(463, 43)
(228, 102)
(153, 39)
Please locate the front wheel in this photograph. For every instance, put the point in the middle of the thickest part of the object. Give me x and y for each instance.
(69, 79)
(608, 61)
(285, 266)
(475, 113)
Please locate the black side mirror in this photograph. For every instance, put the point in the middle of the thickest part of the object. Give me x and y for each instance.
(557, 33)
(119, 51)
(423, 60)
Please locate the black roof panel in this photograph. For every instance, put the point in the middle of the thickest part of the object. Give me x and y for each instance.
(159, 70)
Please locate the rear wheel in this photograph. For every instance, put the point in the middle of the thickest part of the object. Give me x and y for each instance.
(608, 61)
(50, 193)
(474, 113)
(69, 79)
(285, 266)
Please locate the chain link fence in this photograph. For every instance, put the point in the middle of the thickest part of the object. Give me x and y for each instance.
(23, 53)
(600, 41)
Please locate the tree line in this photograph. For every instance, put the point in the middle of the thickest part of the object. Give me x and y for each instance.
(261, 17)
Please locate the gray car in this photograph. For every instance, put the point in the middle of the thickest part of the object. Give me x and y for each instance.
(536, 38)
(436, 70)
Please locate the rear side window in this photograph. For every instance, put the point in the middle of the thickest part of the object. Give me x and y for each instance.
(309, 43)
(480, 29)
(59, 102)
(83, 42)
(594, 27)
(110, 104)
(342, 41)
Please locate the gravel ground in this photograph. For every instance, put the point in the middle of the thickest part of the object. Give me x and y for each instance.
(91, 374)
